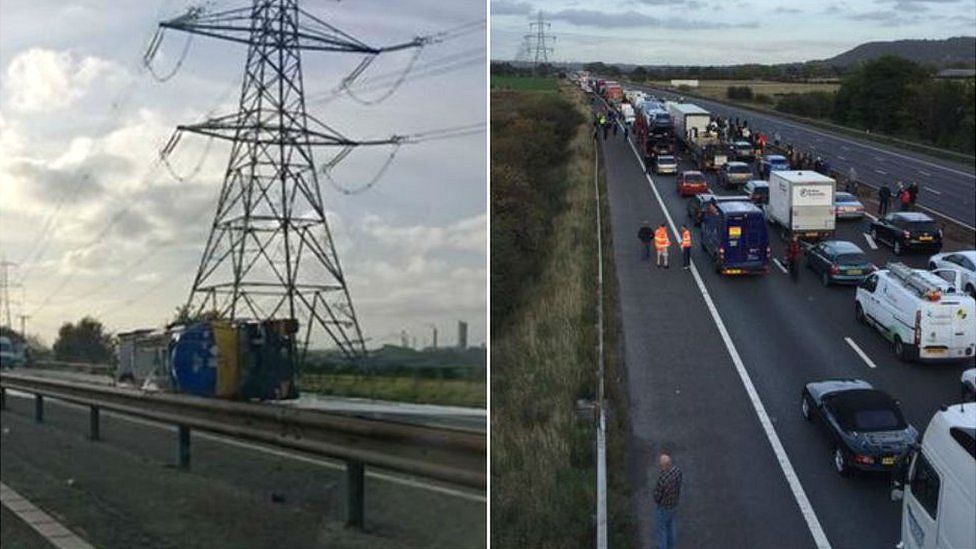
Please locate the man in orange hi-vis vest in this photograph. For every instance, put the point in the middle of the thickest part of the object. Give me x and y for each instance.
(685, 246)
(661, 244)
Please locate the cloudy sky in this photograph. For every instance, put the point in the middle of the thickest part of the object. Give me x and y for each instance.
(99, 227)
(722, 32)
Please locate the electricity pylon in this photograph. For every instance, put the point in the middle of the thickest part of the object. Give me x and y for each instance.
(541, 50)
(270, 253)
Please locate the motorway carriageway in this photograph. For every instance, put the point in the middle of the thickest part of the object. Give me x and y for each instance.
(686, 383)
(946, 187)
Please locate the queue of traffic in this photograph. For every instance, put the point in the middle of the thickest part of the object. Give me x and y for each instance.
(927, 315)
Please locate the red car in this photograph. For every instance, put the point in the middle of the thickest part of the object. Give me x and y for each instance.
(691, 183)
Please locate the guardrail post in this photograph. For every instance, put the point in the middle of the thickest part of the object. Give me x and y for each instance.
(356, 494)
(184, 447)
(39, 408)
(93, 427)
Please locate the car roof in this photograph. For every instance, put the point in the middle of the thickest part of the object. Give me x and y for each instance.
(691, 172)
(843, 246)
(775, 157)
(758, 183)
(853, 400)
(742, 142)
(743, 205)
(743, 164)
(912, 216)
(844, 195)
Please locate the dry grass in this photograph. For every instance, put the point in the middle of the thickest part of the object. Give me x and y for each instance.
(421, 390)
(542, 454)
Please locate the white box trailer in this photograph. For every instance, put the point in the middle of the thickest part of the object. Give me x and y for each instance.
(688, 117)
(802, 203)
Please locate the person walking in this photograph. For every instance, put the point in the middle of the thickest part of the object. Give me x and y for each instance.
(661, 244)
(606, 129)
(646, 235)
(667, 491)
(685, 247)
(905, 199)
(615, 125)
(852, 175)
(884, 196)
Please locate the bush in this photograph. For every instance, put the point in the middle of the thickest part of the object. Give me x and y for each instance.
(763, 98)
(818, 104)
(740, 93)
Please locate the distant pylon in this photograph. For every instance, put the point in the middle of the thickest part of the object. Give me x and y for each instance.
(541, 49)
(5, 286)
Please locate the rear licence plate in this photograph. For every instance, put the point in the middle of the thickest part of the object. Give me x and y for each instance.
(925, 238)
(855, 272)
(888, 461)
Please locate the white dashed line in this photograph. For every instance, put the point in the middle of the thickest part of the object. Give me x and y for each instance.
(931, 190)
(925, 173)
(871, 242)
(844, 158)
(882, 172)
(860, 353)
(780, 265)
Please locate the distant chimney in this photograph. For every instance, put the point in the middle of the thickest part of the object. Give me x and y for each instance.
(434, 341)
(462, 338)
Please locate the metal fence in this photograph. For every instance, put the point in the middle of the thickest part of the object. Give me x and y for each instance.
(457, 456)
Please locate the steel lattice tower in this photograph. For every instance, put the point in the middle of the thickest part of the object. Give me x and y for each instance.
(540, 49)
(270, 253)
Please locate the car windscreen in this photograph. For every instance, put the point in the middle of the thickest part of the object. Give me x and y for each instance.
(853, 258)
(694, 178)
(665, 160)
(739, 169)
(921, 226)
(844, 198)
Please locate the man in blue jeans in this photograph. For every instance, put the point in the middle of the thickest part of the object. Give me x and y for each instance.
(666, 493)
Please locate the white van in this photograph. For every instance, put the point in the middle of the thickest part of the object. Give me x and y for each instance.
(939, 495)
(921, 314)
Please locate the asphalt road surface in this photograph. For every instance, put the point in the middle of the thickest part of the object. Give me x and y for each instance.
(124, 491)
(945, 186)
(686, 395)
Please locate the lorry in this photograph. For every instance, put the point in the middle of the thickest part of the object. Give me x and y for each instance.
(925, 317)
(801, 202)
(938, 487)
(613, 93)
(692, 128)
(734, 235)
(627, 113)
(689, 120)
(653, 132)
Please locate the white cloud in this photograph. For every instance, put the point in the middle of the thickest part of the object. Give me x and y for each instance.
(42, 80)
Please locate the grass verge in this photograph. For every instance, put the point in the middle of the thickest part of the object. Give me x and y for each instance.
(544, 356)
(523, 83)
(420, 390)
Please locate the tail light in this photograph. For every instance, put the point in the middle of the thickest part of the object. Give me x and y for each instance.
(834, 269)
(863, 460)
(918, 327)
(906, 234)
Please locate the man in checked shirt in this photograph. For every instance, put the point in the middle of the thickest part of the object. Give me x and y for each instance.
(666, 493)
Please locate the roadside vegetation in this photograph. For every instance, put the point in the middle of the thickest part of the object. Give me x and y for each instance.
(543, 282)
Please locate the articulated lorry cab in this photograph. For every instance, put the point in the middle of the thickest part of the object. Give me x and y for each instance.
(938, 492)
(734, 235)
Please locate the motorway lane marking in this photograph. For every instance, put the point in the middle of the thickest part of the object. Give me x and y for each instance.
(322, 462)
(871, 216)
(844, 158)
(601, 434)
(925, 173)
(48, 528)
(867, 360)
(882, 172)
(806, 508)
(871, 242)
(780, 265)
(931, 190)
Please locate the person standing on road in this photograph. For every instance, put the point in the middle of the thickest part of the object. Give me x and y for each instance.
(615, 129)
(852, 174)
(793, 253)
(913, 193)
(661, 244)
(884, 196)
(776, 138)
(685, 247)
(667, 490)
(905, 198)
(606, 129)
(646, 235)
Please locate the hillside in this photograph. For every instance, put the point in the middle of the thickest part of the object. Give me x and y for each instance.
(942, 53)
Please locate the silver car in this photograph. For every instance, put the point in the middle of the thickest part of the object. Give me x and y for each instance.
(847, 206)
(734, 174)
(665, 163)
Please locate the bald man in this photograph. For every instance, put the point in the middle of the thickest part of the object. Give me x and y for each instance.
(666, 493)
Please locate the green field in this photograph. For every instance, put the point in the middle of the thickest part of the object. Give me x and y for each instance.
(717, 88)
(447, 392)
(523, 83)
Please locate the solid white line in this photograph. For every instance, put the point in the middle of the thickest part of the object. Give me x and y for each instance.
(931, 190)
(806, 509)
(601, 435)
(871, 216)
(328, 464)
(780, 265)
(860, 353)
(51, 530)
(871, 242)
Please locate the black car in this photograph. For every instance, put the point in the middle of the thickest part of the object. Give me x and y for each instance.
(905, 231)
(696, 206)
(839, 262)
(865, 426)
